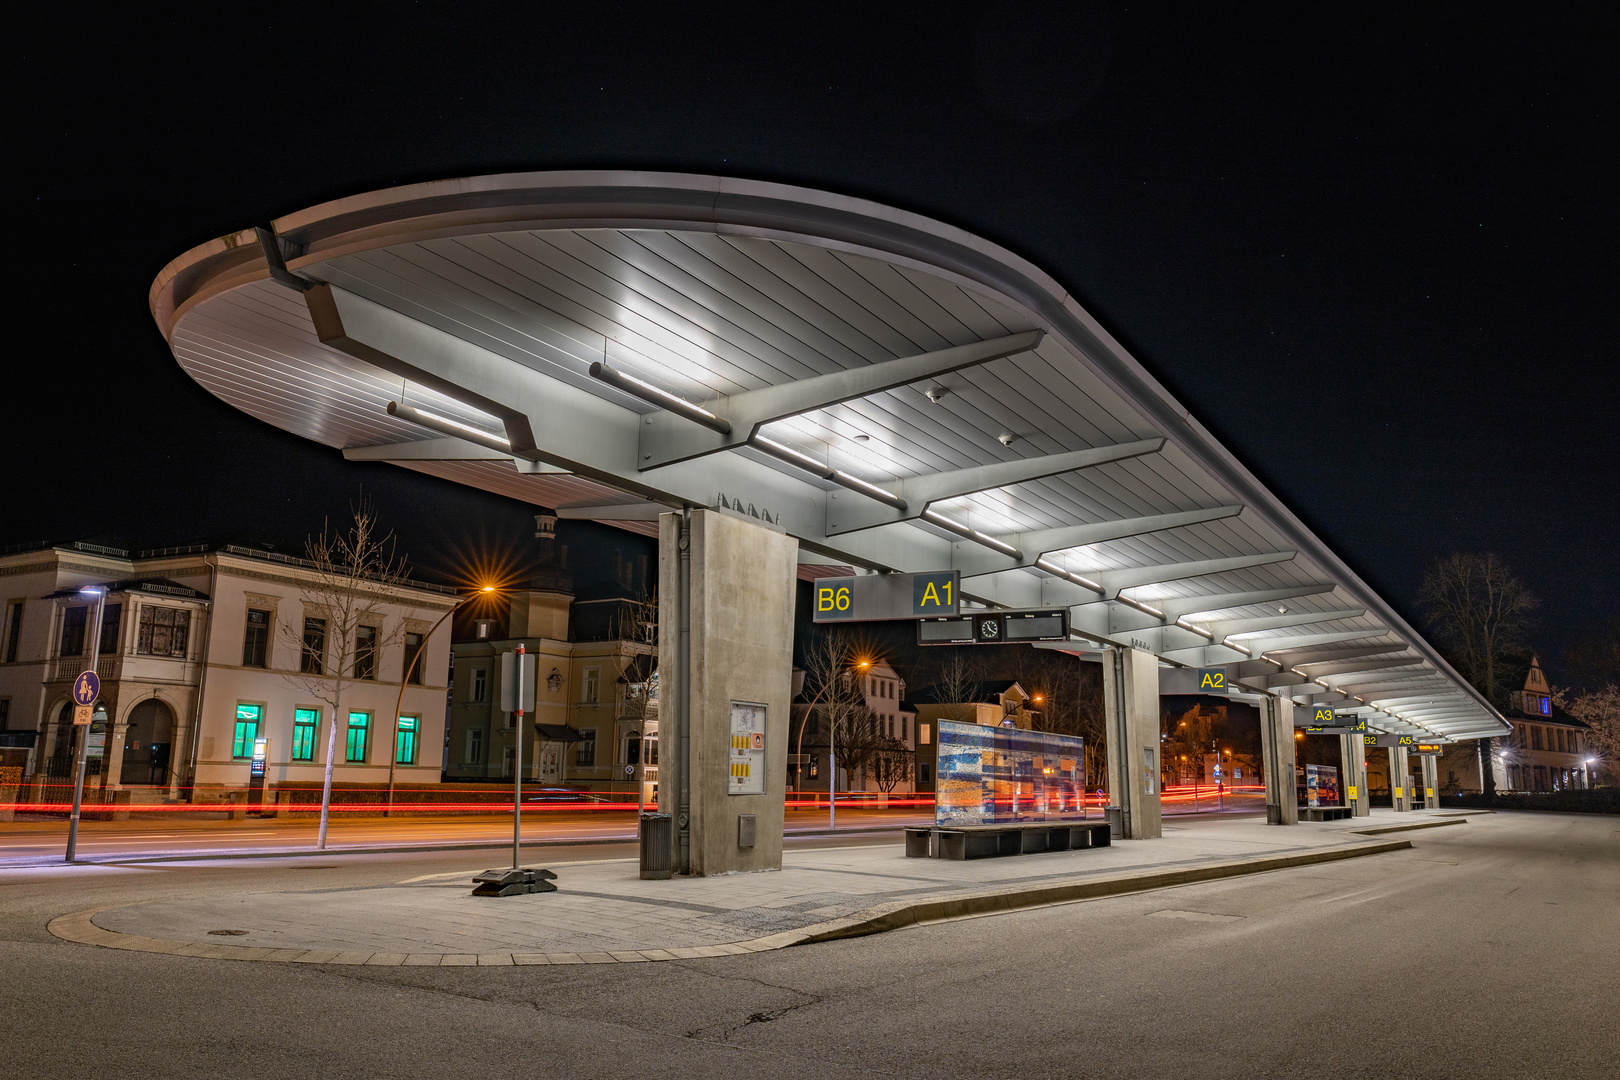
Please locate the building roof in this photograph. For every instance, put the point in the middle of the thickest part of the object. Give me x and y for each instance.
(892, 391)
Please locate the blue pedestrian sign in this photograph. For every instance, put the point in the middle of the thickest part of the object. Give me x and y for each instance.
(86, 688)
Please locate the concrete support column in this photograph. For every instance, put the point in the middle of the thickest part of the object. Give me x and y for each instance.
(1353, 755)
(1431, 781)
(1400, 780)
(725, 640)
(1131, 698)
(1278, 750)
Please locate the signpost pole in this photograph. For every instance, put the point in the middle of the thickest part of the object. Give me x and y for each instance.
(84, 740)
(517, 755)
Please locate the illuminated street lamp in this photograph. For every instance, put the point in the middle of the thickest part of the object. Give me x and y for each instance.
(404, 680)
(100, 593)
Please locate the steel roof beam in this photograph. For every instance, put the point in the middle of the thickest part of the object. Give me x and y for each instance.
(845, 515)
(679, 434)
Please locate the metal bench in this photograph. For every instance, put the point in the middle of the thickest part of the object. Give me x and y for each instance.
(1325, 813)
(987, 841)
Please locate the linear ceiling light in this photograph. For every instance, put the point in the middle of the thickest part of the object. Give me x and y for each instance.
(449, 426)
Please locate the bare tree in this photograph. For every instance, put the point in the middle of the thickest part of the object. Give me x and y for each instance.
(1069, 693)
(1599, 710)
(958, 680)
(1479, 609)
(831, 663)
(357, 574)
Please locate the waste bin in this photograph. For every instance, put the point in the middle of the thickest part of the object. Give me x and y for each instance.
(657, 846)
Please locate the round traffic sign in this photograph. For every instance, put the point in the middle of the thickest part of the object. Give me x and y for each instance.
(629, 770)
(86, 688)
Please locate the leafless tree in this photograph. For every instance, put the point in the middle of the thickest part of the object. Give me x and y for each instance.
(958, 681)
(1478, 609)
(356, 575)
(832, 665)
(1071, 702)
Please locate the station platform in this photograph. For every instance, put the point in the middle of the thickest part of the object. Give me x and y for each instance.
(603, 913)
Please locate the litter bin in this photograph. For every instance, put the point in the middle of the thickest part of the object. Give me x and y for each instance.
(657, 846)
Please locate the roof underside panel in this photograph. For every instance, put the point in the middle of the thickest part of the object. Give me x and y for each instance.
(705, 314)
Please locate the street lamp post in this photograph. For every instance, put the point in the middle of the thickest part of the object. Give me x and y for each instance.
(405, 678)
(100, 593)
(832, 750)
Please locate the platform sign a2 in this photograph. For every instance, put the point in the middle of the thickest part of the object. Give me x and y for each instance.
(1211, 680)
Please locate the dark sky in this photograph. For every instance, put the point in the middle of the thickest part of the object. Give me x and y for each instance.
(1374, 250)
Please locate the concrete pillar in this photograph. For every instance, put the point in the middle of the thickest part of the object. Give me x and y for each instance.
(1431, 781)
(1278, 750)
(1400, 781)
(1131, 699)
(725, 639)
(1353, 755)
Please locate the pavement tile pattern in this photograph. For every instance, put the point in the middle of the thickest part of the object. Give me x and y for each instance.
(604, 913)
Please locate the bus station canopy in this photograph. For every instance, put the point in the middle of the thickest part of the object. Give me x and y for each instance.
(896, 393)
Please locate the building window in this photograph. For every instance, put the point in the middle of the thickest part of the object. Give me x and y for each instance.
(585, 753)
(405, 740)
(256, 639)
(73, 620)
(925, 771)
(5, 713)
(483, 628)
(112, 618)
(312, 659)
(163, 631)
(305, 721)
(593, 686)
(905, 722)
(359, 737)
(1535, 738)
(365, 652)
(413, 661)
(13, 630)
(1574, 742)
(923, 732)
(475, 746)
(247, 729)
(480, 684)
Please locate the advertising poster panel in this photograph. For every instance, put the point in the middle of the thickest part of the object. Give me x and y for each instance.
(1321, 785)
(993, 775)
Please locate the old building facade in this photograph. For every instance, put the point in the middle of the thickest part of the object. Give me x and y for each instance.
(208, 654)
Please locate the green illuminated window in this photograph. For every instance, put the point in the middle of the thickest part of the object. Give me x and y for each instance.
(303, 742)
(247, 729)
(359, 736)
(405, 748)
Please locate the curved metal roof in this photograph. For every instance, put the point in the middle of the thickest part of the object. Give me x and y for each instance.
(895, 392)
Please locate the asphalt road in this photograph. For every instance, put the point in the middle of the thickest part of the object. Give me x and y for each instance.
(1491, 949)
(43, 838)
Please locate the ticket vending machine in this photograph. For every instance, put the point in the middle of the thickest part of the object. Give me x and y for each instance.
(257, 767)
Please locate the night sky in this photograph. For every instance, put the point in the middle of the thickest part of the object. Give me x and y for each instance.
(1372, 250)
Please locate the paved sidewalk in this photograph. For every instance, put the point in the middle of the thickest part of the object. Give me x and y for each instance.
(603, 912)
